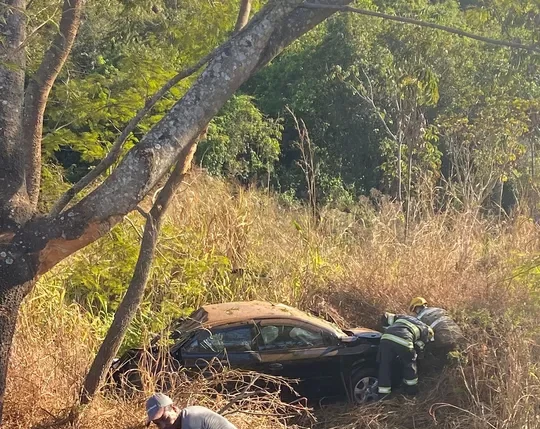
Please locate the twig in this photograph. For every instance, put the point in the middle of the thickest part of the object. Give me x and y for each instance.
(438, 405)
(242, 395)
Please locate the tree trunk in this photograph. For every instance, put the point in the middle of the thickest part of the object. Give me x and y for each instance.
(132, 299)
(14, 203)
(10, 302)
(501, 194)
(399, 172)
(37, 93)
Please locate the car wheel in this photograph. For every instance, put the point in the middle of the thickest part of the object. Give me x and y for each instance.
(364, 384)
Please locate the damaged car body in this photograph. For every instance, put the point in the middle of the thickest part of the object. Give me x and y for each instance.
(278, 340)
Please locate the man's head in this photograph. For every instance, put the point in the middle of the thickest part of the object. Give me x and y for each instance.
(161, 411)
(417, 304)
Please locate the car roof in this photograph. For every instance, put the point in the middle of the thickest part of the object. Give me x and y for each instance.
(212, 315)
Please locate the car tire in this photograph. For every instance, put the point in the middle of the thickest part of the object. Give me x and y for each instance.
(364, 384)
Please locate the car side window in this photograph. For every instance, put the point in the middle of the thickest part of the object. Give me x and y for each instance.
(283, 337)
(239, 339)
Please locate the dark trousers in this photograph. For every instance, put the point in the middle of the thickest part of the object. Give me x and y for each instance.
(389, 353)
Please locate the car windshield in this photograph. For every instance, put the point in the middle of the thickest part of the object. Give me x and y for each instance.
(339, 331)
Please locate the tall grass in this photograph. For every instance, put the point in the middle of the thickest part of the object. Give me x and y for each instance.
(222, 243)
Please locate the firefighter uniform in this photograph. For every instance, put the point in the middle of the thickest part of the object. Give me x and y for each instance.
(447, 333)
(402, 337)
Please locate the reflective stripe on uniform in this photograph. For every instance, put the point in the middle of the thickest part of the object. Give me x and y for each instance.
(437, 322)
(426, 312)
(385, 390)
(410, 382)
(398, 340)
(420, 345)
(416, 329)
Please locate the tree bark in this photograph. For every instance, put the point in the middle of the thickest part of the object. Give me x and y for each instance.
(14, 202)
(37, 93)
(243, 15)
(10, 302)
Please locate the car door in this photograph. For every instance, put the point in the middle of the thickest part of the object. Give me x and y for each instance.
(229, 345)
(299, 350)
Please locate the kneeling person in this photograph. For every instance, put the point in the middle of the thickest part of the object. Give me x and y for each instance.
(161, 411)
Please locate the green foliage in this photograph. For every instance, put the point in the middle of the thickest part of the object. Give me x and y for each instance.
(118, 63)
(405, 69)
(241, 143)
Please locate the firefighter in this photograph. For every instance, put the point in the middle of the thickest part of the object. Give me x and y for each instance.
(448, 334)
(403, 336)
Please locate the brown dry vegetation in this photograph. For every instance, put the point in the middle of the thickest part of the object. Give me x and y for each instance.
(354, 264)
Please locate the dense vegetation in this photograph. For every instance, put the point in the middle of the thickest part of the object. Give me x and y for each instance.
(466, 111)
(420, 162)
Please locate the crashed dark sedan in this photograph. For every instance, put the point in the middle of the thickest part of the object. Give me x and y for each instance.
(279, 340)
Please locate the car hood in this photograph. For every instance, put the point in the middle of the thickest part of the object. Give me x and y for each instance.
(364, 333)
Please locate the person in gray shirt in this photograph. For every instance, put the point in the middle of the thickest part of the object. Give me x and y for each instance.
(161, 411)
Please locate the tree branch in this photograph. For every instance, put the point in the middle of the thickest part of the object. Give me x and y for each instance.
(404, 20)
(14, 205)
(297, 23)
(243, 15)
(38, 90)
(116, 149)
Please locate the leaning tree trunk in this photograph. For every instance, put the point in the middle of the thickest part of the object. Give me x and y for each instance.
(134, 295)
(132, 299)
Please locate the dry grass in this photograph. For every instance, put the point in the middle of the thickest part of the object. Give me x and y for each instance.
(353, 266)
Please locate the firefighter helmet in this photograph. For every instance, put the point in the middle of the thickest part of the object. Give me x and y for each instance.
(417, 302)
